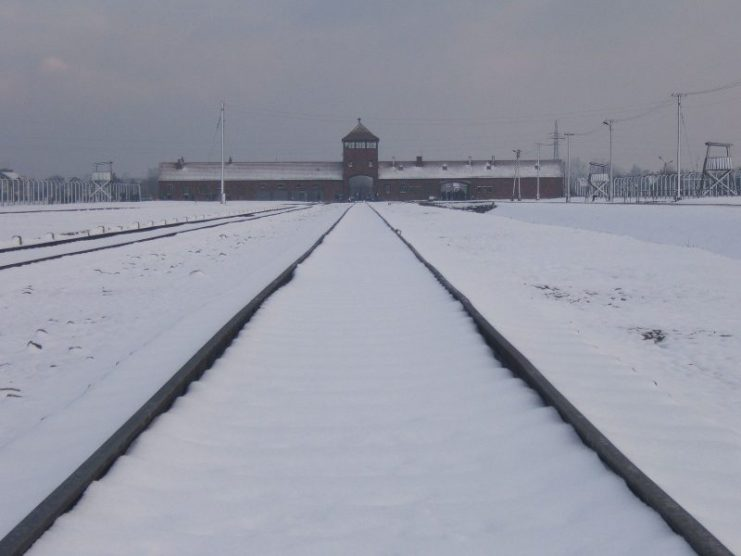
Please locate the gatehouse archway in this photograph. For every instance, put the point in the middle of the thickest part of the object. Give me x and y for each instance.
(361, 188)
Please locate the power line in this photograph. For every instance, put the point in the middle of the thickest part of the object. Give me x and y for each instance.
(453, 122)
(656, 108)
(731, 85)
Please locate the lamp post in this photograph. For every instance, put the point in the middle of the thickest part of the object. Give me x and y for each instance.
(610, 190)
(678, 195)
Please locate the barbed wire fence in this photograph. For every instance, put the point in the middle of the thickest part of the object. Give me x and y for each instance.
(27, 191)
(650, 188)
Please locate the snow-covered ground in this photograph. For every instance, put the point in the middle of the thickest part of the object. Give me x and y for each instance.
(84, 340)
(634, 312)
(715, 228)
(34, 223)
(359, 412)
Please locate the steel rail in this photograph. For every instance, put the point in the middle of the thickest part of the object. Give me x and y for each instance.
(679, 520)
(145, 239)
(123, 232)
(66, 495)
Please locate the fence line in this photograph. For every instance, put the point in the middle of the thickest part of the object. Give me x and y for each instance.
(51, 192)
(655, 187)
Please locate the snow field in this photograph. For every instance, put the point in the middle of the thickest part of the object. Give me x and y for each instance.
(360, 413)
(712, 228)
(641, 336)
(85, 340)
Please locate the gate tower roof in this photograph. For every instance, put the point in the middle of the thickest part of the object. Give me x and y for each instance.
(360, 133)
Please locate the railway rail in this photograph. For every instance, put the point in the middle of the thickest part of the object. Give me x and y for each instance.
(397, 428)
(139, 229)
(15, 257)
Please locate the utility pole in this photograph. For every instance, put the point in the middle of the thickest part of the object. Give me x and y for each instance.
(568, 166)
(222, 196)
(537, 182)
(516, 182)
(610, 189)
(679, 146)
(556, 138)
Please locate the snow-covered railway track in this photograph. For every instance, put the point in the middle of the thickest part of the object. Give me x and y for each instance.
(37, 253)
(359, 411)
(75, 237)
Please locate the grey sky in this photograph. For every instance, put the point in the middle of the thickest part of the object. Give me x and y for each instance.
(139, 81)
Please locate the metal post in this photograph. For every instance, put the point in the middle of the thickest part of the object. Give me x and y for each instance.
(537, 182)
(568, 166)
(679, 146)
(222, 196)
(516, 182)
(611, 188)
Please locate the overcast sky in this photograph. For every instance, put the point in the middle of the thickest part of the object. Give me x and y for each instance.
(139, 81)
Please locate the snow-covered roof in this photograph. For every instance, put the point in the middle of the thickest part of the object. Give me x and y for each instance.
(9, 175)
(400, 170)
(438, 169)
(207, 171)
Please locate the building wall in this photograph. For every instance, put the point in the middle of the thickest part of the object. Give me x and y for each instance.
(359, 162)
(335, 190)
(478, 188)
(278, 190)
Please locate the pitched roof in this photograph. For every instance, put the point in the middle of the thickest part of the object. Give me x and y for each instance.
(210, 171)
(464, 169)
(400, 170)
(360, 133)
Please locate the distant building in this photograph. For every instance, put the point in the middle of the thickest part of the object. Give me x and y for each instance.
(7, 174)
(360, 176)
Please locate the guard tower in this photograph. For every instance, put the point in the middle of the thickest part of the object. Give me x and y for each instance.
(599, 178)
(102, 180)
(717, 170)
(360, 164)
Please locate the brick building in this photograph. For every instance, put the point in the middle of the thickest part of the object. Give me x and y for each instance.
(359, 176)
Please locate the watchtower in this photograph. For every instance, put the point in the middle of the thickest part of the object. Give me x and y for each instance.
(102, 179)
(360, 163)
(717, 170)
(598, 179)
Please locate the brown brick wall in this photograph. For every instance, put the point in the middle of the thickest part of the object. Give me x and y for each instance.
(478, 188)
(315, 190)
(335, 190)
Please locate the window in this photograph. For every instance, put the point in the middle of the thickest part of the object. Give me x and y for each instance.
(370, 164)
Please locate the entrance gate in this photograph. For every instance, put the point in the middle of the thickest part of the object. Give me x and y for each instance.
(361, 188)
